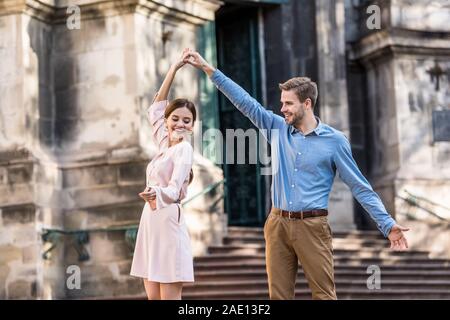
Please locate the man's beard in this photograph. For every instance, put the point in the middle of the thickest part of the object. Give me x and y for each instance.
(297, 118)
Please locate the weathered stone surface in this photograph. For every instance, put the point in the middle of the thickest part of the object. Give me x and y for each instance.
(89, 176)
(3, 175)
(116, 235)
(20, 289)
(420, 15)
(332, 85)
(25, 234)
(12, 194)
(4, 273)
(89, 197)
(30, 254)
(18, 214)
(86, 101)
(132, 172)
(9, 253)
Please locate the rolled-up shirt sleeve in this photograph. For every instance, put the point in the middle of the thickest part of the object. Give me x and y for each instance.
(360, 187)
(183, 157)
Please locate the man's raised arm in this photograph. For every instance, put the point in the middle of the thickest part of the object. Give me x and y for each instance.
(261, 117)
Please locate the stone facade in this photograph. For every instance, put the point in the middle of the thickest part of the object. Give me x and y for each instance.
(401, 97)
(75, 140)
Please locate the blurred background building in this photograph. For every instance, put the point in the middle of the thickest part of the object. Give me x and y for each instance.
(75, 142)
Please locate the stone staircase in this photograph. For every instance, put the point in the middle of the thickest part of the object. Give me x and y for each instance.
(236, 269)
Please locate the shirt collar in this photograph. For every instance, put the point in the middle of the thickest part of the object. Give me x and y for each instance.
(318, 130)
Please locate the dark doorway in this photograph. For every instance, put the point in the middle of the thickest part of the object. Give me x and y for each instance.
(238, 57)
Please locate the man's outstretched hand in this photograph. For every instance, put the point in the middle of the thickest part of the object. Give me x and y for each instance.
(397, 238)
(196, 60)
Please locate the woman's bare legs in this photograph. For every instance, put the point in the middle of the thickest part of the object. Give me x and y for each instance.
(171, 291)
(152, 289)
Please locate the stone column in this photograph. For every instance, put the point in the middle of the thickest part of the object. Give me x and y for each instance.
(332, 102)
(402, 94)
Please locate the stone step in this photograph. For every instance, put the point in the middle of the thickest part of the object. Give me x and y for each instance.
(225, 262)
(262, 284)
(236, 269)
(342, 274)
(352, 234)
(354, 294)
(367, 252)
(338, 243)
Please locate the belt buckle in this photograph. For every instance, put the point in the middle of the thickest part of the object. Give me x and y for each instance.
(290, 218)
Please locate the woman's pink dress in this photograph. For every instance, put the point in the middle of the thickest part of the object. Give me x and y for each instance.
(163, 249)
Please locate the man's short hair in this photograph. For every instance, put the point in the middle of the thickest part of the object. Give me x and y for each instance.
(303, 87)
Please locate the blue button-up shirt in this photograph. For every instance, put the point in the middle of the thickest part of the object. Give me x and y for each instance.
(304, 166)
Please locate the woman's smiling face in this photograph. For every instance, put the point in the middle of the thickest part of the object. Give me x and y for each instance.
(179, 124)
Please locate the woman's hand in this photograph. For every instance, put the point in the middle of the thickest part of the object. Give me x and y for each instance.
(177, 65)
(163, 92)
(196, 60)
(148, 194)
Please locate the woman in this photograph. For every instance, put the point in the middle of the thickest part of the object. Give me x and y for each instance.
(162, 254)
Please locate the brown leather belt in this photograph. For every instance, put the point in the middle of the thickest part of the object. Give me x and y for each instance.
(301, 214)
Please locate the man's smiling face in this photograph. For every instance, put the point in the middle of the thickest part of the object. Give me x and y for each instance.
(291, 107)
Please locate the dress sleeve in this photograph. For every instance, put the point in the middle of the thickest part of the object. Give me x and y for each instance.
(183, 157)
(156, 117)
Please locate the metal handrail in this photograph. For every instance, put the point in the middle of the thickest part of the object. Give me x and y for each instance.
(413, 200)
(208, 188)
(81, 236)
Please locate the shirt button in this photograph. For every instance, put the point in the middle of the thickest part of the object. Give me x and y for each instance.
(300, 153)
(295, 169)
(293, 186)
(290, 202)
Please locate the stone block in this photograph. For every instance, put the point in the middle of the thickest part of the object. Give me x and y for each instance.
(9, 253)
(129, 212)
(66, 132)
(3, 175)
(420, 15)
(9, 30)
(124, 267)
(19, 214)
(90, 197)
(107, 251)
(48, 174)
(89, 176)
(67, 102)
(45, 101)
(20, 289)
(31, 254)
(25, 235)
(11, 194)
(45, 129)
(116, 235)
(4, 273)
(63, 71)
(132, 172)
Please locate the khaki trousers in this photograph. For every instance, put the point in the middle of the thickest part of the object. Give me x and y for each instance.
(290, 241)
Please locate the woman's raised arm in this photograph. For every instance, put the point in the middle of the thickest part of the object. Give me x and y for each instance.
(163, 92)
(156, 110)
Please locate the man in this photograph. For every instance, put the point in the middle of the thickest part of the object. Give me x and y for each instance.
(308, 153)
